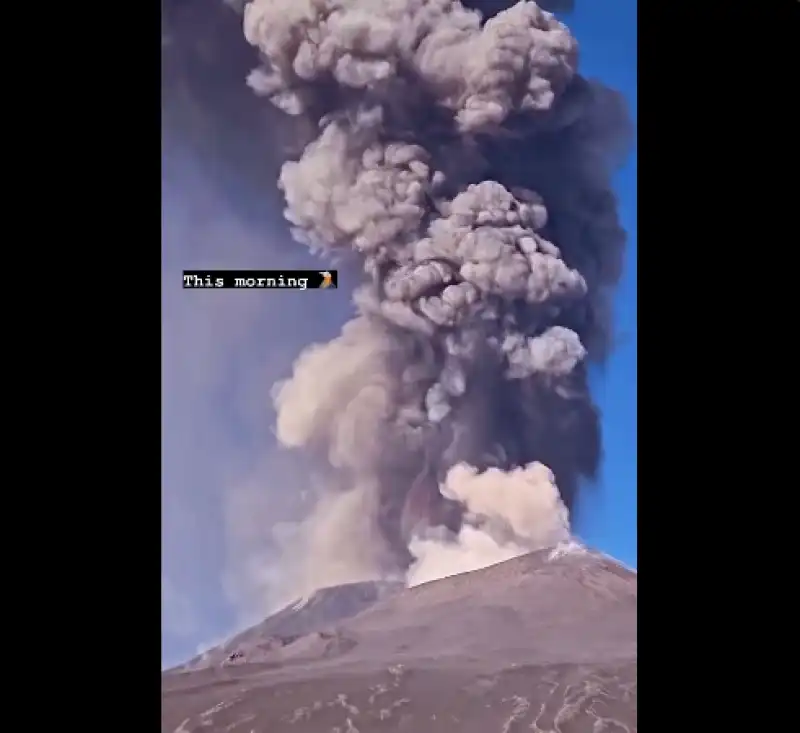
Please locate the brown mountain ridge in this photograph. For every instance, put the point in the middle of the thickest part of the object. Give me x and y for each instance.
(545, 643)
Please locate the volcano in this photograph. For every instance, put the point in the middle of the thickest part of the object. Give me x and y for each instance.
(544, 642)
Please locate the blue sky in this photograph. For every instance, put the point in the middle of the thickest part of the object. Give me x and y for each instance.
(221, 487)
(607, 33)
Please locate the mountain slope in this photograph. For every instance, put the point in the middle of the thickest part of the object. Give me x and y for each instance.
(538, 643)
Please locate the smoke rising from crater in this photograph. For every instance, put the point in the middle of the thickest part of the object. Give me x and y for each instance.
(464, 164)
(508, 513)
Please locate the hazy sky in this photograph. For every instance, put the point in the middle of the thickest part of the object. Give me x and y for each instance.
(223, 484)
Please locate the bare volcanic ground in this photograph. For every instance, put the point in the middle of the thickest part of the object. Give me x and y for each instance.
(544, 643)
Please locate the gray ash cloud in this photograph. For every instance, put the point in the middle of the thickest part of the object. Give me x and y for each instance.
(464, 165)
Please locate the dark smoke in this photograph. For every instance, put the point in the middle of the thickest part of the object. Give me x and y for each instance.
(465, 164)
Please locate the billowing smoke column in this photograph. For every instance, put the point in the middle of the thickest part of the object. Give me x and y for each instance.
(465, 165)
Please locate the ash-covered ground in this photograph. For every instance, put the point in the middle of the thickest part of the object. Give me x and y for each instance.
(544, 643)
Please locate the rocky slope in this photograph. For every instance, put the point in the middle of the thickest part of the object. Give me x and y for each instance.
(542, 643)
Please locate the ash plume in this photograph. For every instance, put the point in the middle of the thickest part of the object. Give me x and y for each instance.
(464, 165)
(508, 513)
